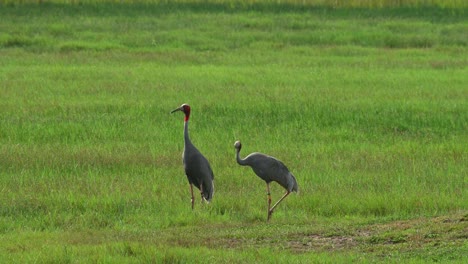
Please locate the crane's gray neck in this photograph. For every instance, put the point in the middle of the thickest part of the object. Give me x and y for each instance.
(242, 162)
(186, 134)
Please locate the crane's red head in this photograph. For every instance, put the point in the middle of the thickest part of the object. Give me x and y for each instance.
(184, 108)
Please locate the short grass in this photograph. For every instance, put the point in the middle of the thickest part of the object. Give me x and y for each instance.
(367, 107)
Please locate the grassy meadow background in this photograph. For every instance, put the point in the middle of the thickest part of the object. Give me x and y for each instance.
(366, 104)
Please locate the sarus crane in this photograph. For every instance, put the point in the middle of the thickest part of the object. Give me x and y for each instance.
(268, 169)
(197, 168)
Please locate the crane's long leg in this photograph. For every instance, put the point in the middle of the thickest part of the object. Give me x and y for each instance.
(269, 200)
(193, 198)
(270, 211)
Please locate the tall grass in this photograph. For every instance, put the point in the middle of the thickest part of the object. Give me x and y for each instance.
(238, 3)
(368, 111)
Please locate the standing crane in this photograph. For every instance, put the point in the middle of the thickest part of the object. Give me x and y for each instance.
(197, 168)
(268, 169)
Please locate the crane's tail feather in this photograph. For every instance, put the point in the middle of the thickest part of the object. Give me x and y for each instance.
(208, 191)
(293, 183)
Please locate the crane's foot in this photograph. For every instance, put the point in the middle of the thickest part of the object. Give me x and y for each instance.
(270, 212)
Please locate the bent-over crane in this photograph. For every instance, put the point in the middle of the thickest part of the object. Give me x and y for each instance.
(268, 169)
(197, 168)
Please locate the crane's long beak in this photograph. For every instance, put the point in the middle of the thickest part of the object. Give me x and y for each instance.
(177, 109)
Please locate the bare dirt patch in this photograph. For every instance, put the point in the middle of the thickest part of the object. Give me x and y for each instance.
(414, 233)
(315, 242)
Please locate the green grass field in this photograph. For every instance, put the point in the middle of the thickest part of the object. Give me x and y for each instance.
(367, 107)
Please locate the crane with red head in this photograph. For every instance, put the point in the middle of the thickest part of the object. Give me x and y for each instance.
(196, 166)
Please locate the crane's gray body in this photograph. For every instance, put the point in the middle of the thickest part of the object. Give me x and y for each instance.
(197, 168)
(270, 169)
